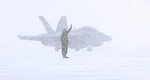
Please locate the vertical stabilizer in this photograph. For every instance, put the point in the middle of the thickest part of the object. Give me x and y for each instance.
(62, 24)
(46, 25)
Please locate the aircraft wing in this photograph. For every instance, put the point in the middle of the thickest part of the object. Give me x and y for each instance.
(36, 38)
(46, 40)
(40, 37)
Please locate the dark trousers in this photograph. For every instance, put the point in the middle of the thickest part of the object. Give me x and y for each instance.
(64, 50)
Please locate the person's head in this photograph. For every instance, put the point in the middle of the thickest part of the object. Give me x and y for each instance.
(64, 30)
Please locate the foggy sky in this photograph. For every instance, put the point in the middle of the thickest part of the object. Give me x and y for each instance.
(127, 21)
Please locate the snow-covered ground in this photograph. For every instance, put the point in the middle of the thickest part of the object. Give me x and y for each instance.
(37, 62)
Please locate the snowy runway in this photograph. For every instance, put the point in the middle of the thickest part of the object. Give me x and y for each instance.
(45, 64)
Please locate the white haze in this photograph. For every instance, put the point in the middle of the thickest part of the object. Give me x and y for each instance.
(127, 21)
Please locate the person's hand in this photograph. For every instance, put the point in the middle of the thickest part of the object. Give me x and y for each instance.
(71, 26)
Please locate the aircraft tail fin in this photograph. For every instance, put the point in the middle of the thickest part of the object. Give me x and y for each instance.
(46, 25)
(62, 24)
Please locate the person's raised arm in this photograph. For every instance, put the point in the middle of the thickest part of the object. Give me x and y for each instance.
(70, 28)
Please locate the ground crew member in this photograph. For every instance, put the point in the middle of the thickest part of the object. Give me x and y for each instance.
(64, 41)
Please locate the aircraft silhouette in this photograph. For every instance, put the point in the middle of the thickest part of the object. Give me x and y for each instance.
(85, 37)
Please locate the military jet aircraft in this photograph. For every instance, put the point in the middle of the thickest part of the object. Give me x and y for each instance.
(85, 37)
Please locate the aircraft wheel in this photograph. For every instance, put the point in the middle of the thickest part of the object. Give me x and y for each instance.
(56, 49)
(89, 49)
(77, 49)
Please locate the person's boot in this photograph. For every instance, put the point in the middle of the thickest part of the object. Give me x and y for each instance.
(65, 57)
